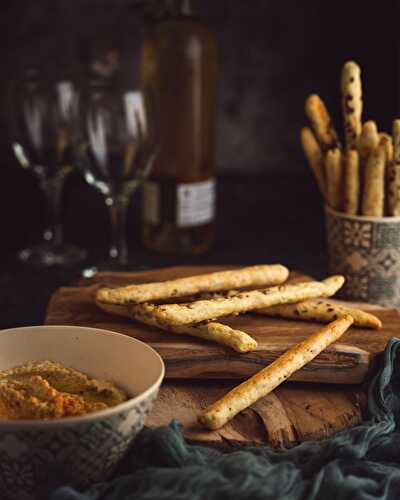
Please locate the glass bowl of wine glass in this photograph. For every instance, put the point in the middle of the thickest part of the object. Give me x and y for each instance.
(115, 147)
(40, 119)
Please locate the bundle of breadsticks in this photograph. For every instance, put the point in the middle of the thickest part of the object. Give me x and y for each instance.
(363, 176)
(191, 306)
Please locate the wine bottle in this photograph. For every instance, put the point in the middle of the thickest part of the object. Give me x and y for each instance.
(178, 68)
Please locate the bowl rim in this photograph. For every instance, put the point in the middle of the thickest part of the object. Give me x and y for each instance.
(362, 218)
(96, 415)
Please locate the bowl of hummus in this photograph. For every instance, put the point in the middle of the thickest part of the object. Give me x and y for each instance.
(72, 400)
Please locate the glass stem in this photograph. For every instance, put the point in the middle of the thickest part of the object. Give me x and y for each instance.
(52, 189)
(118, 207)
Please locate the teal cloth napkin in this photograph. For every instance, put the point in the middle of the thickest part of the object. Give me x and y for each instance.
(362, 463)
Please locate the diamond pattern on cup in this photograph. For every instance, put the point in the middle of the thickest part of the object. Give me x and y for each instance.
(385, 262)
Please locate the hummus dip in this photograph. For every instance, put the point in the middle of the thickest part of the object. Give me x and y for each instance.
(46, 390)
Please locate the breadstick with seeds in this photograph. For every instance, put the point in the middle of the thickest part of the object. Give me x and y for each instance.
(374, 185)
(193, 312)
(351, 181)
(321, 311)
(334, 176)
(386, 140)
(265, 381)
(212, 331)
(321, 122)
(314, 156)
(207, 330)
(351, 103)
(369, 139)
(211, 282)
(394, 173)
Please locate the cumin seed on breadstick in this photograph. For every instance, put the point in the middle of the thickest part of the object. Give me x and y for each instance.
(351, 102)
(394, 173)
(334, 179)
(321, 122)
(321, 311)
(207, 330)
(351, 181)
(314, 156)
(265, 381)
(211, 282)
(193, 312)
(373, 200)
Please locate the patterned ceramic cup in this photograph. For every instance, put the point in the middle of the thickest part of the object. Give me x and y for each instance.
(37, 456)
(366, 250)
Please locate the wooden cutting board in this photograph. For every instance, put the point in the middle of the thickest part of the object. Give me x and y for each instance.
(291, 414)
(349, 361)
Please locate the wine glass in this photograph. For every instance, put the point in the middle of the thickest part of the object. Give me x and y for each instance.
(41, 116)
(115, 148)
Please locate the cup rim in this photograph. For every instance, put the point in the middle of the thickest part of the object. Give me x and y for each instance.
(97, 415)
(362, 218)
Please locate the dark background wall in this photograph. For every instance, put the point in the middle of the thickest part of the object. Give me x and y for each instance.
(272, 54)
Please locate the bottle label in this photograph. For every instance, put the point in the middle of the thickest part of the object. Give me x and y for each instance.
(186, 205)
(195, 203)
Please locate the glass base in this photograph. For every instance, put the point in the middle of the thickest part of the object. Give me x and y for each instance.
(47, 255)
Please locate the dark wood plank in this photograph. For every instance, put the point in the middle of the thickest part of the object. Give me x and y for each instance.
(293, 413)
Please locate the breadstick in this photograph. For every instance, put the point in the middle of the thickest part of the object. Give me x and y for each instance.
(334, 175)
(115, 309)
(394, 173)
(351, 102)
(314, 156)
(321, 311)
(374, 185)
(386, 141)
(351, 181)
(215, 332)
(193, 312)
(321, 122)
(368, 140)
(211, 282)
(266, 380)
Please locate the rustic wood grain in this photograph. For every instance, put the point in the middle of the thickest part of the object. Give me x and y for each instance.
(293, 413)
(349, 361)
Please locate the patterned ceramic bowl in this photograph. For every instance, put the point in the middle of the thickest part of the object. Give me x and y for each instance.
(36, 456)
(366, 250)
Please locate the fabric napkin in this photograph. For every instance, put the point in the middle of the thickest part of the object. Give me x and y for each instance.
(362, 463)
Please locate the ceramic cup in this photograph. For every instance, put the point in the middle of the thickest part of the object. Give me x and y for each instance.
(37, 456)
(366, 250)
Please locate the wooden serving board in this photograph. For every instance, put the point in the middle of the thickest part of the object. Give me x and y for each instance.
(291, 414)
(348, 362)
